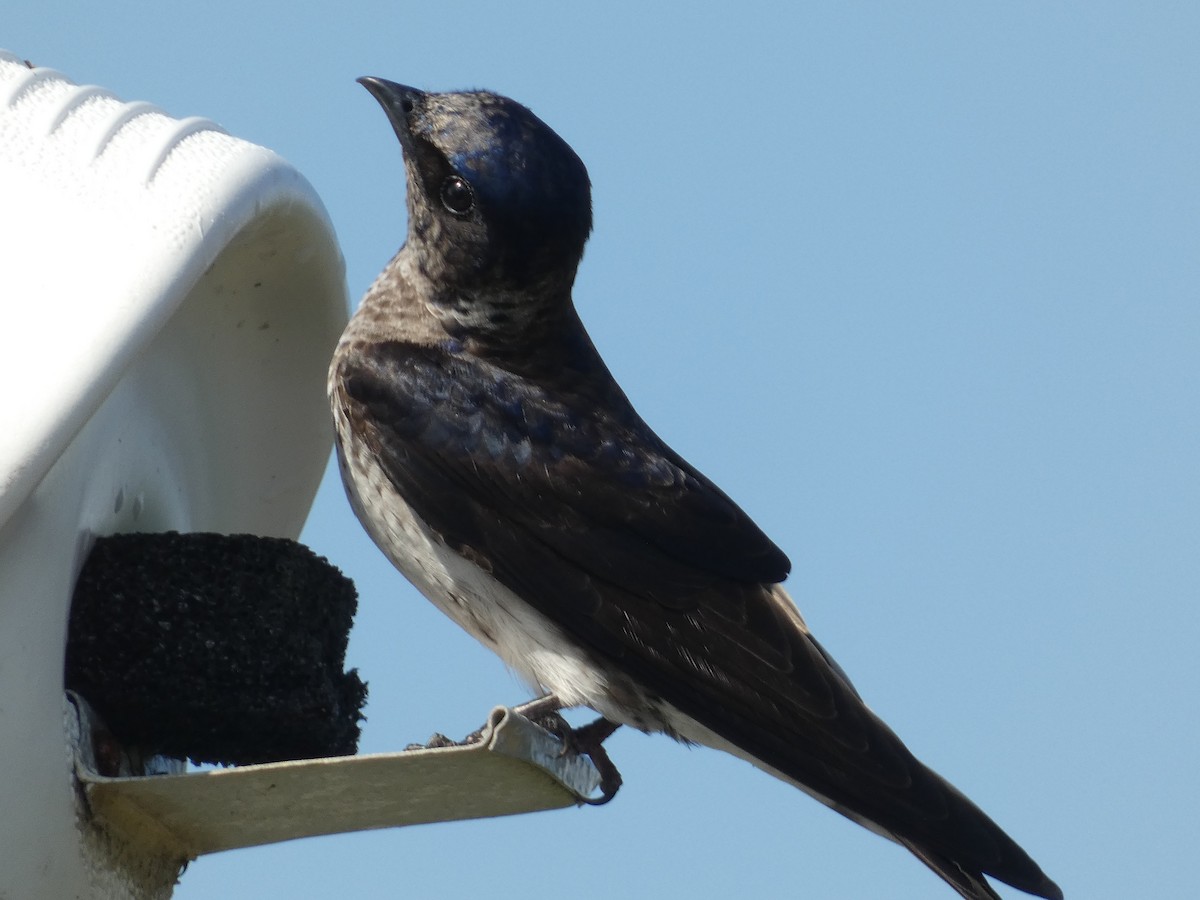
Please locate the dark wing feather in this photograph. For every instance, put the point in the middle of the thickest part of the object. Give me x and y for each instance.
(583, 512)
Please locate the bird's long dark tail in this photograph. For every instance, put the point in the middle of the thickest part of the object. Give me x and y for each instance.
(970, 885)
(950, 834)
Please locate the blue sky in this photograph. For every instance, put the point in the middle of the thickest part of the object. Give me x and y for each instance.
(917, 284)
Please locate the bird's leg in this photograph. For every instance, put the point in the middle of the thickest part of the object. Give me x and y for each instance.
(542, 711)
(587, 740)
(539, 707)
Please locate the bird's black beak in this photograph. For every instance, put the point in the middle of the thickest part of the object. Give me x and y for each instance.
(397, 100)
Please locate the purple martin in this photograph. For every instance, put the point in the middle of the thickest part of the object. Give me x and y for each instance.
(493, 458)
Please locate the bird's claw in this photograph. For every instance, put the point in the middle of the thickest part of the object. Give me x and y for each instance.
(587, 740)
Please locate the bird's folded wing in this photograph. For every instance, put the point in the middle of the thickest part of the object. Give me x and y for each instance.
(601, 527)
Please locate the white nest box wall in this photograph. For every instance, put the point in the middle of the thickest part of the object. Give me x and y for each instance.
(169, 299)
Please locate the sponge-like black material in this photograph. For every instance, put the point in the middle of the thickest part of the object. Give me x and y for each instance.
(216, 648)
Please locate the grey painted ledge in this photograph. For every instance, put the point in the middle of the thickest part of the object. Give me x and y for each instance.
(515, 767)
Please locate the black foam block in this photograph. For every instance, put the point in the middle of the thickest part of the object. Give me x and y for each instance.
(216, 648)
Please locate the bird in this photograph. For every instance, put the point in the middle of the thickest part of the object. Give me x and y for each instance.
(491, 455)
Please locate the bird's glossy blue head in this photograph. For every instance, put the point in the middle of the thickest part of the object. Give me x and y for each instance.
(495, 197)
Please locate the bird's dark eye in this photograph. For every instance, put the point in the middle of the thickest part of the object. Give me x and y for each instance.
(457, 195)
